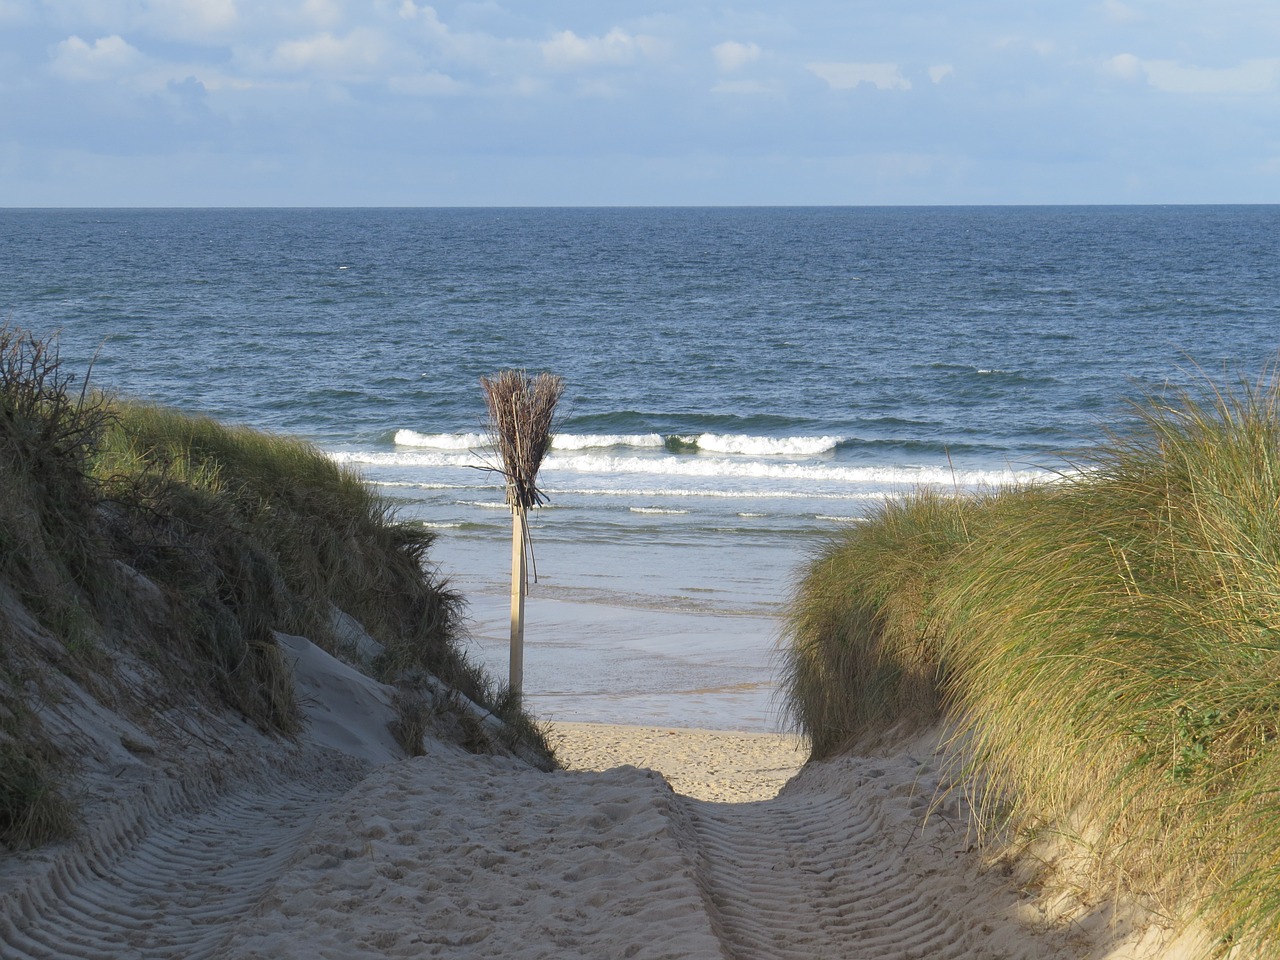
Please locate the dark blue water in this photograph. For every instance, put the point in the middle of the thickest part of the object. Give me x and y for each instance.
(736, 379)
(1005, 331)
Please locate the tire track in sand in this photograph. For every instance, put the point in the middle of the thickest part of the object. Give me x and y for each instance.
(173, 883)
(462, 856)
(852, 869)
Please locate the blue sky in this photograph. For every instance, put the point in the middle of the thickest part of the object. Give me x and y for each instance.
(404, 103)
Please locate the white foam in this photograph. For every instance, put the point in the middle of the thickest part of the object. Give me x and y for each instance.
(441, 441)
(409, 457)
(770, 470)
(593, 441)
(805, 475)
(706, 443)
(660, 510)
(737, 493)
(559, 441)
(407, 485)
(765, 446)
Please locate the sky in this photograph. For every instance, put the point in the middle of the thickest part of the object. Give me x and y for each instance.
(637, 102)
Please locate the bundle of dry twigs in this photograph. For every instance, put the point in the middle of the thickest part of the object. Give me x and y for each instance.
(521, 414)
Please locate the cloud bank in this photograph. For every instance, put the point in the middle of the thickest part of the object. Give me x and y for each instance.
(404, 102)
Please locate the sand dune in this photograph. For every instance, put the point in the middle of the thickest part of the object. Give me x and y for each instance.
(344, 853)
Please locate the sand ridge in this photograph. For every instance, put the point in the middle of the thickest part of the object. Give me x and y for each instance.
(166, 878)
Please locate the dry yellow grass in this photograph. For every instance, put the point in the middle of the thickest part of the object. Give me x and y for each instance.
(1109, 644)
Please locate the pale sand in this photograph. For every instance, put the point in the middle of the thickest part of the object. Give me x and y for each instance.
(336, 849)
(714, 765)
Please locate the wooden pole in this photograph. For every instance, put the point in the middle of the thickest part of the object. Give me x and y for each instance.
(518, 589)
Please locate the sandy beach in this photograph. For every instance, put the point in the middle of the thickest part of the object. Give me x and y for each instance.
(653, 843)
(716, 765)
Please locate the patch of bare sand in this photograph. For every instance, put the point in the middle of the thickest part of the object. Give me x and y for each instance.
(716, 765)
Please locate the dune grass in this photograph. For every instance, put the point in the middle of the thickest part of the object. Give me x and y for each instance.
(1108, 645)
(49, 428)
(255, 532)
(290, 533)
(242, 533)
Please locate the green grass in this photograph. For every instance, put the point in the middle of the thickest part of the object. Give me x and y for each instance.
(242, 532)
(1109, 646)
(256, 532)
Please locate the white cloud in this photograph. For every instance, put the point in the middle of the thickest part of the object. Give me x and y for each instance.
(940, 71)
(462, 49)
(322, 13)
(1251, 76)
(1125, 66)
(566, 49)
(106, 57)
(527, 87)
(426, 16)
(192, 20)
(732, 55)
(848, 76)
(1169, 76)
(14, 11)
(1118, 12)
(204, 23)
(324, 52)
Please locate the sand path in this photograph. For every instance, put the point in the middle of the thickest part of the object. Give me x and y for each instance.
(841, 874)
(862, 857)
(654, 844)
(453, 855)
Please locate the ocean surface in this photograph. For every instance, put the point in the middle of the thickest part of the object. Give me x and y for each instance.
(740, 383)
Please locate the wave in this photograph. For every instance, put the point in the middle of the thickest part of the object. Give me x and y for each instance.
(560, 441)
(591, 441)
(667, 422)
(441, 441)
(763, 446)
(715, 468)
(719, 467)
(736, 444)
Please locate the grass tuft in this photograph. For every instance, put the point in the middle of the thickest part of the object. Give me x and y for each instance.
(32, 807)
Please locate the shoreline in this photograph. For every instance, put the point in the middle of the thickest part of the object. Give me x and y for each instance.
(722, 766)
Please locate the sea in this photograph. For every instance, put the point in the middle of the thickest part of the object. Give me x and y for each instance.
(741, 384)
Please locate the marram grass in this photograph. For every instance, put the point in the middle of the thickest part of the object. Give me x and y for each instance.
(1109, 646)
(240, 533)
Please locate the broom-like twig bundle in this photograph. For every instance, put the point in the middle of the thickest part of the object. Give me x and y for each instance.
(521, 413)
